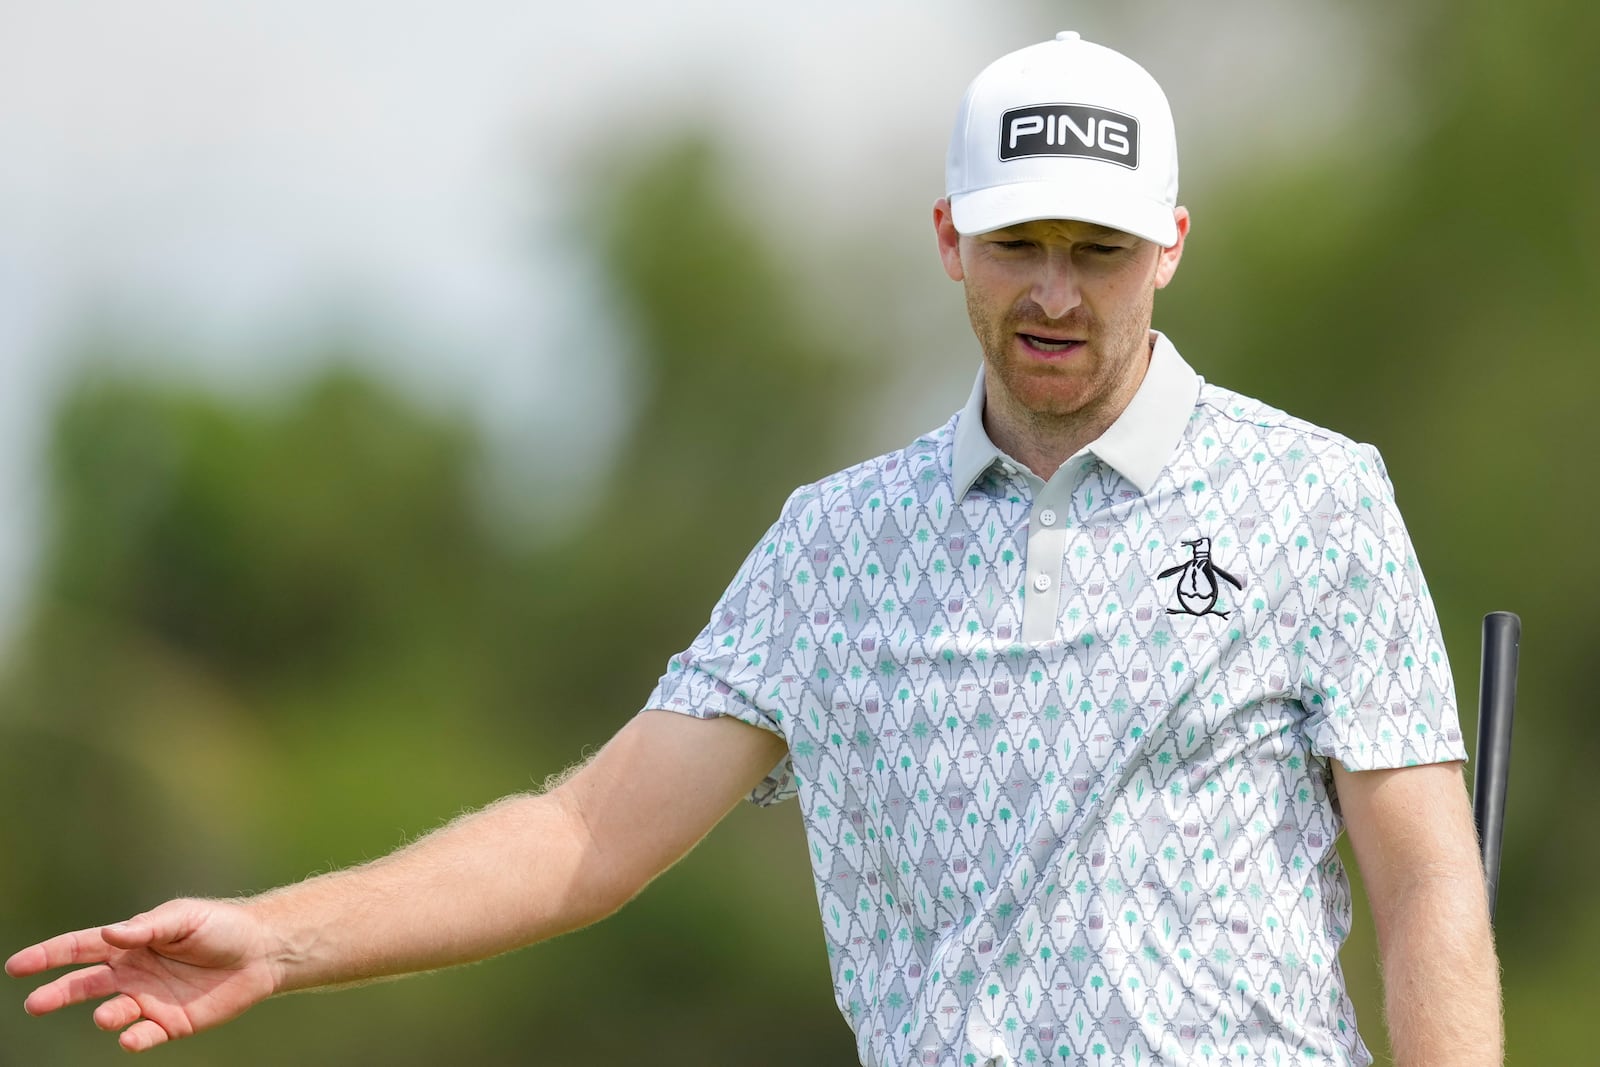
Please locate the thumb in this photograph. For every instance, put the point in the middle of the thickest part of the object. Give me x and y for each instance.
(170, 922)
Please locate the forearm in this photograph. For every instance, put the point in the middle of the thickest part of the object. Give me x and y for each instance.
(1412, 831)
(512, 874)
(1441, 975)
(525, 869)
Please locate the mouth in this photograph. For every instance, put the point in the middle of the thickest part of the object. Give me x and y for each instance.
(1050, 346)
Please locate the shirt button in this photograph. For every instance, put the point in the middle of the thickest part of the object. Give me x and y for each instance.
(1041, 582)
(1047, 517)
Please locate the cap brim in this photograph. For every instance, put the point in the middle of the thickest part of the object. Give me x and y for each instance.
(1000, 206)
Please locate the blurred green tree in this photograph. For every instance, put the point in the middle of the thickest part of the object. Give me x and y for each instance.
(267, 632)
(266, 635)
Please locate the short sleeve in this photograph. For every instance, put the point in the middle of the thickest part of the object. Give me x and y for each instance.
(1377, 684)
(727, 669)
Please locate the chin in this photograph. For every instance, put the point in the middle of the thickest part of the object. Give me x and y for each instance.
(1048, 393)
(1052, 404)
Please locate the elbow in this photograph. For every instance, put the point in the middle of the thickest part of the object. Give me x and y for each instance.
(595, 879)
(1432, 899)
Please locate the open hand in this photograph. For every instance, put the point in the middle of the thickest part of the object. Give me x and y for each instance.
(180, 968)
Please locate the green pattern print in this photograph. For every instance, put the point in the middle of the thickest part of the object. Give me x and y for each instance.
(1112, 844)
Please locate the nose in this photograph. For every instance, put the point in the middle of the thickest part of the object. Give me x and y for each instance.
(1056, 288)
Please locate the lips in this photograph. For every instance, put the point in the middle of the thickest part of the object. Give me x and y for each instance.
(1050, 346)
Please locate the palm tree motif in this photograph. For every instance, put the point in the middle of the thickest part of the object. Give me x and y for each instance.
(971, 547)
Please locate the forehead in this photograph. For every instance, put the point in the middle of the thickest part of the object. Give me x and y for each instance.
(1060, 229)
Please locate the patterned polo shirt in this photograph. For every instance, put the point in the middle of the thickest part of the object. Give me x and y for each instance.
(1063, 747)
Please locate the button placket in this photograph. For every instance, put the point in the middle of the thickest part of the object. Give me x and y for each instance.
(1047, 546)
(1047, 539)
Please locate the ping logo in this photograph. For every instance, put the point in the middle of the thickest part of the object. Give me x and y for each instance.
(1070, 130)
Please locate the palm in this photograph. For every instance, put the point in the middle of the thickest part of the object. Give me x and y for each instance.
(194, 984)
(191, 966)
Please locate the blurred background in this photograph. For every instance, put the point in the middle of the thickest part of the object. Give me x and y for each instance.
(386, 390)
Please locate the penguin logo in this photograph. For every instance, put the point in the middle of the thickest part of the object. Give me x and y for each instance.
(1197, 581)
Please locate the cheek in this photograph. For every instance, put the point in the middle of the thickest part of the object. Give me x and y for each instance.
(989, 297)
(1124, 294)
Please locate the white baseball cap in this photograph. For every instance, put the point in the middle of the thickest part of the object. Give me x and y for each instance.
(1065, 129)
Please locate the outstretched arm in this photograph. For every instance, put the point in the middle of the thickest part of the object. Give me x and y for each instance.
(1411, 829)
(521, 870)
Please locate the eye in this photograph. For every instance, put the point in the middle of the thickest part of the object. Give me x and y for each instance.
(1103, 250)
(1013, 246)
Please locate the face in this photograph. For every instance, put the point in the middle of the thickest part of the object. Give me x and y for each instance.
(1062, 311)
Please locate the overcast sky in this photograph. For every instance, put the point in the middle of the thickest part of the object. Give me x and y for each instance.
(224, 178)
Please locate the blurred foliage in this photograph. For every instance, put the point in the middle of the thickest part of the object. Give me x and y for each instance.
(277, 635)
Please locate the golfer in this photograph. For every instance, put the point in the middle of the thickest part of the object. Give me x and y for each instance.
(1076, 693)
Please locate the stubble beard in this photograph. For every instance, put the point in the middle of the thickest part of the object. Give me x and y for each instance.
(1085, 396)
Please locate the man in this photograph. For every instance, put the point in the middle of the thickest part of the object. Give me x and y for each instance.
(1076, 693)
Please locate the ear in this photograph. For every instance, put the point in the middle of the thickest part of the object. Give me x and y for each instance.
(1167, 262)
(944, 230)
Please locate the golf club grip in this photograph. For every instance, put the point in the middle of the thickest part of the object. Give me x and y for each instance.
(1497, 701)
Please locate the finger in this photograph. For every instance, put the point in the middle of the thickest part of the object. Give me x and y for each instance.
(117, 1012)
(91, 983)
(63, 950)
(142, 1035)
